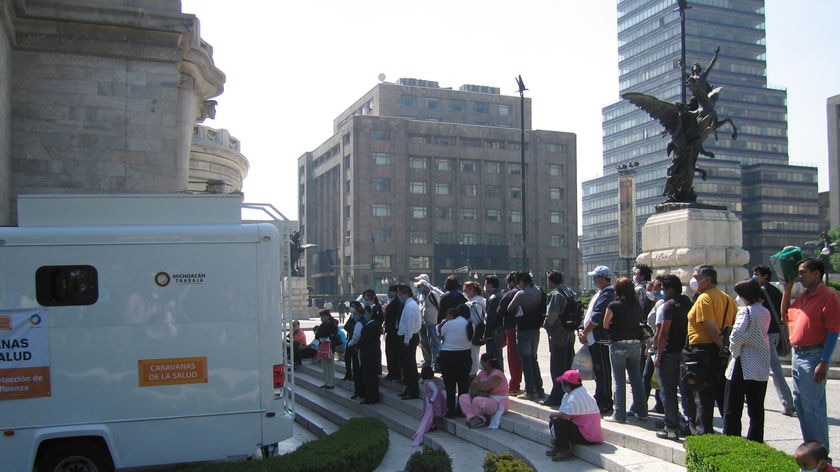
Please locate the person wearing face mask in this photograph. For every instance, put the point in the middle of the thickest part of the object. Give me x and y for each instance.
(597, 338)
(777, 333)
(576, 421)
(428, 298)
(370, 353)
(355, 366)
(393, 309)
(655, 294)
(811, 456)
(713, 310)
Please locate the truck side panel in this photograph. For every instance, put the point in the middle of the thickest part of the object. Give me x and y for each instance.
(165, 301)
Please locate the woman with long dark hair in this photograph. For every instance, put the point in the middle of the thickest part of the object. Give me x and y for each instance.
(623, 319)
(455, 355)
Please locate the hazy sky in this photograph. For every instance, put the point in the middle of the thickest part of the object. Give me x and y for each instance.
(292, 67)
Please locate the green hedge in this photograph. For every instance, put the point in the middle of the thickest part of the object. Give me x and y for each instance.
(358, 446)
(505, 462)
(429, 460)
(719, 453)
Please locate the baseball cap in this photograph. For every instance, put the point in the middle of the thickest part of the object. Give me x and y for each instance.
(601, 271)
(422, 277)
(570, 376)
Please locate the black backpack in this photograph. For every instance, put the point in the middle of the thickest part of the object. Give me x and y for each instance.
(573, 313)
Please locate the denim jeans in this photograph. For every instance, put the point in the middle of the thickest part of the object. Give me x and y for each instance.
(434, 342)
(626, 357)
(528, 343)
(779, 381)
(669, 379)
(809, 397)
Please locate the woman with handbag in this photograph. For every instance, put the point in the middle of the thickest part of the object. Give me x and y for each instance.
(623, 319)
(325, 334)
(749, 364)
(487, 395)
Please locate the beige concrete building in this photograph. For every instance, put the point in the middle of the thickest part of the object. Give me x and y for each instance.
(422, 179)
(104, 97)
(833, 114)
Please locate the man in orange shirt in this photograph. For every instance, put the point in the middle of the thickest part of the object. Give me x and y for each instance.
(814, 319)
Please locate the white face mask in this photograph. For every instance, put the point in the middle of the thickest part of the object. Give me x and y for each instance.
(740, 301)
(694, 284)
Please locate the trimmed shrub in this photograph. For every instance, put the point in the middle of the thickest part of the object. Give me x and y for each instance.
(429, 460)
(719, 453)
(505, 462)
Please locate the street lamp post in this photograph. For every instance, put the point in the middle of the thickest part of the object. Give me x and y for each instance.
(627, 212)
(522, 89)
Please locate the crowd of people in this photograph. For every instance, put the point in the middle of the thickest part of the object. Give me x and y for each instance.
(696, 353)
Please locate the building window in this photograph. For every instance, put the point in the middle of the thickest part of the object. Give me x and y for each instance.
(380, 185)
(480, 108)
(419, 212)
(469, 190)
(557, 217)
(381, 262)
(555, 147)
(556, 240)
(409, 101)
(415, 162)
(443, 237)
(494, 215)
(505, 110)
(418, 237)
(515, 169)
(468, 165)
(443, 164)
(381, 209)
(347, 212)
(469, 239)
(515, 216)
(470, 142)
(381, 235)
(514, 240)
(443, 188)
(348, 238)
(417, 187)
(381, 159)
(469, 214)
(380, 135)
(419, 263)
(556, 193)
(457, 105)
(346, 139)
(494, 239)
(556, 170)
(445, 140)
(443, 213)
(515, 192)
(432, 103)
(493, 191)
(493, 167)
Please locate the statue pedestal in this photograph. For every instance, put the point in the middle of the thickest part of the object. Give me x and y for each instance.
(676, 241)
(299, 299)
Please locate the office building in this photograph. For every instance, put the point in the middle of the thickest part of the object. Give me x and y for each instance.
(750, 175)
(422, 179)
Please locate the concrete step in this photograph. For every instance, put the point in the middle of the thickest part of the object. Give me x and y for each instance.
(523, 433)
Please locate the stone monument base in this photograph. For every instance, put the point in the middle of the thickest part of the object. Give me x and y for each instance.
(674, 242)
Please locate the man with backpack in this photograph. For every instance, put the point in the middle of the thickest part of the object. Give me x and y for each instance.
(527, 307)
(564, 317)
(428, 297)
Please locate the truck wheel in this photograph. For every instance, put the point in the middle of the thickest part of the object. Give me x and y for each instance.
(75, 456)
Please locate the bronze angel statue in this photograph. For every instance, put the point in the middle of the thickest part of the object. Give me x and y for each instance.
(689, 124)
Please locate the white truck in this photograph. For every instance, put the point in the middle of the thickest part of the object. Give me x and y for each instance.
(140, 330)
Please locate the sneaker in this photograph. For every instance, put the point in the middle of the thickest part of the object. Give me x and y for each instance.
(513, 393)
(525, 396)
(552, 452)
(476, 422)
(668, 434)
(613, 419)
(631, 413)
(789, 412)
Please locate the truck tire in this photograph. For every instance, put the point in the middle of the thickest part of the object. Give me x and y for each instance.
(75, 456)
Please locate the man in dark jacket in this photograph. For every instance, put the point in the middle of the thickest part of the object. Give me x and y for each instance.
(528, 307)
(393, 342)
(509, 322)
(494, 321)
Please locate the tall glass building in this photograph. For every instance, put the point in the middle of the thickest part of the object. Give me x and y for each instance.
(750, 175)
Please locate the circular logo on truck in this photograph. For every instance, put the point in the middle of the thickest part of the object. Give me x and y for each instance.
(162, 279)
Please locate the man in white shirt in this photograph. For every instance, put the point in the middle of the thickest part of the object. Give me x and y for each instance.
(408, 330)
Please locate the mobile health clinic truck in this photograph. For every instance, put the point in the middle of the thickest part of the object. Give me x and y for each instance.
(138, 330)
